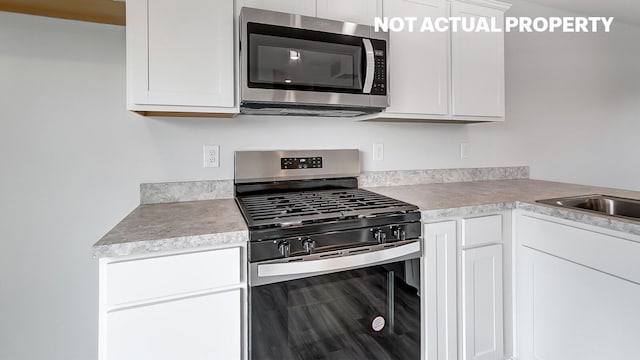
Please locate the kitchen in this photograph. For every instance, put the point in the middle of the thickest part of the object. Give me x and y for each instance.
(570, 106)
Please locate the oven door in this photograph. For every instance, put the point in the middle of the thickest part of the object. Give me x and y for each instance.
(285, 62)
(365, 313)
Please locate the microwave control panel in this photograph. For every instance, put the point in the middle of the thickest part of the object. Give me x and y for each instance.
(301, 163)
(380, 71)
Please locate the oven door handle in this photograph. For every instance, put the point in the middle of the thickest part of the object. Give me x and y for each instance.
(371, 65)
(338, 263)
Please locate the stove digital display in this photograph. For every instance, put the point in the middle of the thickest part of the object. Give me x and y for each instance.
(301, 163)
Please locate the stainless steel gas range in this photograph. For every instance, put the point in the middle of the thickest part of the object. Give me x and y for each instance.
(333, 269)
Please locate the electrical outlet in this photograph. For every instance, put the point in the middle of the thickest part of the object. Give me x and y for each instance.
(464, 150)
(378, 152)
(211, 156)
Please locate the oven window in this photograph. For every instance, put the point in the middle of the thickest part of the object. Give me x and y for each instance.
(285, 58)
(364, 314)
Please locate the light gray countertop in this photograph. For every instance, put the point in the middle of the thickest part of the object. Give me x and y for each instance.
(437, 201)
(184, 225)
(455, 195)
(174, 226)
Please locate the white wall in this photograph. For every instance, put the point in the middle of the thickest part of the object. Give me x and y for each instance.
(71, 156)
(573, 104)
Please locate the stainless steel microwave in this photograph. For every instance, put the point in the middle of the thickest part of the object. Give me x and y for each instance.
(300, 65)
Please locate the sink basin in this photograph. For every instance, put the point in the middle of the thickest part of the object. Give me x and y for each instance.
(603, 204)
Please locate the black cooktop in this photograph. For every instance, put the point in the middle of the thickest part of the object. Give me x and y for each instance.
(282, 210)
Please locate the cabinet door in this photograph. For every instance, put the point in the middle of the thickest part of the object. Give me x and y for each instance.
(180, 53)
(577, 291)
(477, 65)
(201, 327)
(419, 73)
(440, 334)
(571, 311)
(356, 11)
(300, 7)
(482, 312)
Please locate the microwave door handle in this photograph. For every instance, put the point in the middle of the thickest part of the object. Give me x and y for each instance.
(371, 64)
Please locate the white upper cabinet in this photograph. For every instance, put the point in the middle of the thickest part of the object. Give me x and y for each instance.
(180, 56)
(477, 65)
(300, 7)
(418, 61)
(446, 76)
(356, 11)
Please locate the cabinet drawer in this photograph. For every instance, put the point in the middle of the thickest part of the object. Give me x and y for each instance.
(482, 230)
(614, 255)
(201, 327)
(143, 279)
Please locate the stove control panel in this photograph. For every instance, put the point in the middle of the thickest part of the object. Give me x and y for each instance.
(301, 163)
(284, 247)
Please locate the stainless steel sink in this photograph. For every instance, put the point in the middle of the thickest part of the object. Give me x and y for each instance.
(603, 204)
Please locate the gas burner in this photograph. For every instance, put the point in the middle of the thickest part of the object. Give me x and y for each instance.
(262, 211)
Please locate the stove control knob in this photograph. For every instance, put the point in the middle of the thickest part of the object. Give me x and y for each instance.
(380, 236)
(285, 248)
(309, 245)
(399, 233)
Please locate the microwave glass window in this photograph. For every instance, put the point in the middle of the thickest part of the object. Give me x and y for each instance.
(279, 62)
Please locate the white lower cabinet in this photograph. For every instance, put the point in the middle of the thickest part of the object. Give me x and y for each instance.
(569, 311)
(482, 298)
(466, 298)
(577, 291)
(441, 324)
(168, 306)
(200, 327)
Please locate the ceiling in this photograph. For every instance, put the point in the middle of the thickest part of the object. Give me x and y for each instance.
(627, 11)
(100, 11)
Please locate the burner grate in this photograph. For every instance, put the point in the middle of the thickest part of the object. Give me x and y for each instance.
(295, 208)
